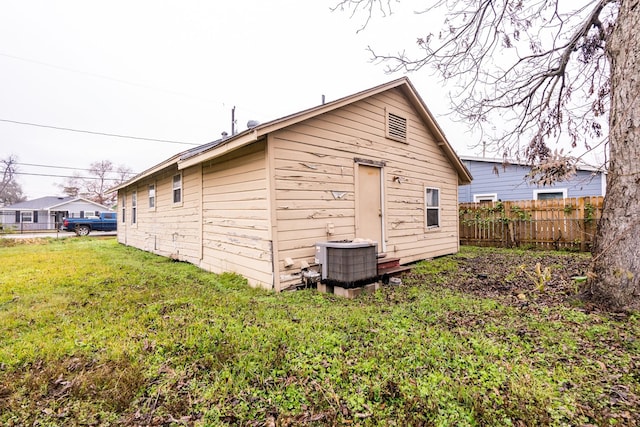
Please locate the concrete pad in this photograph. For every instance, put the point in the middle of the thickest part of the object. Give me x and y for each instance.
(354, 292)
(325, 289)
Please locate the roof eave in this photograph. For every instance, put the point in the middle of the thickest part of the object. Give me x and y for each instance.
(75, 200)
(160, 166)
(60, 204)
(513, 162)
(256, 133)
(464, 176)
(252, 135)
(231, 144)
(240, 140)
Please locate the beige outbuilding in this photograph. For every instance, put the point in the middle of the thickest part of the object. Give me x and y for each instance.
(373, 165)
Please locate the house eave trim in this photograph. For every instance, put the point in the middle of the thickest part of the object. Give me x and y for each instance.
(145, 174)
(77, 199)
(220, 150)
(464, 176)
(252, 135)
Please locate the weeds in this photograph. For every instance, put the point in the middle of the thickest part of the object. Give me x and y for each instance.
(120, 336)
(539, 277)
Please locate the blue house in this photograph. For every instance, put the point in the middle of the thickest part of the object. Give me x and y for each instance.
(494, 180)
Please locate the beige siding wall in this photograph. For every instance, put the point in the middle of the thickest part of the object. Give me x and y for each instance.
(314, 182)
(236, 217)
(169, 229)
(283, 196)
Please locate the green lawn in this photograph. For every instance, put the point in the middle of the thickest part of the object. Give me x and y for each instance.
(92, 332)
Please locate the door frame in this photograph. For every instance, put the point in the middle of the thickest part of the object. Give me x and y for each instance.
(382, 245)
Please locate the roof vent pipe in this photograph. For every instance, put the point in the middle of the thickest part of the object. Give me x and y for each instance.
(224, 135)
(252, 123)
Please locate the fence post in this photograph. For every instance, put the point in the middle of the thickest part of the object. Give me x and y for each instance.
(583, 226)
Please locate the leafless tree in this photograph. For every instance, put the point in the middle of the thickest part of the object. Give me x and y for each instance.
(95, 184)
(547, 71)
(10, 189)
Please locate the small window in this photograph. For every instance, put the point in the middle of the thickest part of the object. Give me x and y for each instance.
(152, 196)
(396, 126)
(177, 188)
(556, 193)
(433, 207)
(481, 198)
(134, 207)
(124, 207)
(26, 216)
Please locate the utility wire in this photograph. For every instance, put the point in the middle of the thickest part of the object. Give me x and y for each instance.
(71, 70)
(70, 168)
(98, 133)
(100, 76)
(65, 176)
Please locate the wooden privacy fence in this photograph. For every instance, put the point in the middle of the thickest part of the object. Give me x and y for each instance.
(550, 224)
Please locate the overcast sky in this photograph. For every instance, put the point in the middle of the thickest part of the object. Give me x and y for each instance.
(173, 70)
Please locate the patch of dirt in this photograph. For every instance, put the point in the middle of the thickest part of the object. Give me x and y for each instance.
(514, 277)
(533, 281)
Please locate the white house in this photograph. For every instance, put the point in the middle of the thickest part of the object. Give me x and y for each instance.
(46, 213)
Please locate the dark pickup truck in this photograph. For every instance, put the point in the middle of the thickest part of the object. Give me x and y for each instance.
(82, 226)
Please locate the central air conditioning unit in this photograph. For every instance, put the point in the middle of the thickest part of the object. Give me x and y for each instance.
(347, 263)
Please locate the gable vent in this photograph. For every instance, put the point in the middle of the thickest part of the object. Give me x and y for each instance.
(396, 127)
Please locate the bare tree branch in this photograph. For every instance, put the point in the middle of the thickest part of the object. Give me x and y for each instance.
(538, 69)
(368, 6)
(10, 190)
(8, 171)
(96, 186)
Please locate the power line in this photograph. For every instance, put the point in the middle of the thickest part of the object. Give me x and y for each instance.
(126, 82)
(98, 133)
(100, 76)
(65, 176)
(71, 168)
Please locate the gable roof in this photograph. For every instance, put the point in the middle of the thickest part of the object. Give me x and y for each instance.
(48, 203)
(509, 162)
(223, 146)
(41, 203)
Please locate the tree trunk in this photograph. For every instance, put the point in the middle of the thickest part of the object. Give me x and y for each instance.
(614, 281)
